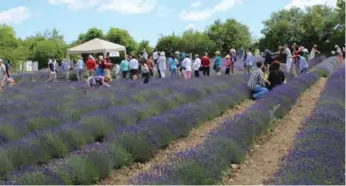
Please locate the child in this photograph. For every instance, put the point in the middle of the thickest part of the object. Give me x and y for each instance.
(145, 72)
(227, 64)
(97, 81)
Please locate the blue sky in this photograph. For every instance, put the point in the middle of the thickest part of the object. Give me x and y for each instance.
(144, 19)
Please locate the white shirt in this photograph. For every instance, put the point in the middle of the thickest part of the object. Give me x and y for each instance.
(155, 55)
(196, 64)
(80, 64)
(2, 71)
(187, 64)
(134, 64)
(162, 62)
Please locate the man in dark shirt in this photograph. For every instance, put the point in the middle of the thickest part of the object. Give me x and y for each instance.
(52, 71)
(276, 76)
(205, 63)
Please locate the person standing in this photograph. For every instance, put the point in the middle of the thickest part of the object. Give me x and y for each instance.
(256, 82)
(108, 67)
(162, 64)
(248, 61)
(151, 65)
(134, 65)
(288, 56)
(156, 57)
(91, 65)
(124, 66)
(173, 65)
(196, 65)
(313, 52)
(187, 66)
(52, 71)
(205, 61)
(233, 60)
(217, 65)
(145, 72)
(340, 54)
(100, 67)
(3, 76)
(303, 64)
(227, 64)
(80, 69)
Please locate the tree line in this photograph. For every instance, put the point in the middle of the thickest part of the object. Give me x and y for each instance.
(319, 24)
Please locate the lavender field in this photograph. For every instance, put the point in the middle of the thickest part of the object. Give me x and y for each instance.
(63, 133)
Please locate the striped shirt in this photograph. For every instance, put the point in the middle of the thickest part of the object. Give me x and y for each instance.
(256, 78)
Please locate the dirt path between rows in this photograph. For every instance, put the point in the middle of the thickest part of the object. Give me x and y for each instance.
(122, 176)
(265, 157)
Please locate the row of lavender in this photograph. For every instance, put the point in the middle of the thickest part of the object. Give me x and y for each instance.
(129, 144)
(318, 156)
(15, 124)
(42, 145)
(229, 143)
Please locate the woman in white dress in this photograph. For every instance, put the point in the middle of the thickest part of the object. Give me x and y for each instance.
(162, 64)
(313, 52)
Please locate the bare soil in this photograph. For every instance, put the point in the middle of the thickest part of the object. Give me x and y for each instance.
(265, 157)
(197, 136)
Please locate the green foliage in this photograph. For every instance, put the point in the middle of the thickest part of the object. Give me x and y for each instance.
(319, 24)
(122, 37)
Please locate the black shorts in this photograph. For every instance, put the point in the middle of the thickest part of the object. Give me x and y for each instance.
(134, 71)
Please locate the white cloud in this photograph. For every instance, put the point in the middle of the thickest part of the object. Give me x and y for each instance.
(164, 11)
(195, 4)
(307, 3)
(201, 15)
(120, 6)
(15, 15)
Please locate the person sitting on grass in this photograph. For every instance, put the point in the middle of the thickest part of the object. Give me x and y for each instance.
(257, 83)
(98, 80)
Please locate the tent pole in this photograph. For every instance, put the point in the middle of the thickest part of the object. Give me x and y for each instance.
(125, 53)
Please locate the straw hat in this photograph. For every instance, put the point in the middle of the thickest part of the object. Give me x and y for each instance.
(232, 50)
(101, 57)
(162, 53)
(227, 57)
(217, 52)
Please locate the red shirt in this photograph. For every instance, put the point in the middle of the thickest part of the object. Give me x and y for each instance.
(90, 64)
(205, 61)
(108, 64)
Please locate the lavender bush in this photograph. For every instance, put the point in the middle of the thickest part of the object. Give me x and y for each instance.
(51, 112)
(326, 67)
(230, 142)
(318, 156)
(138, 142)
(55, 142)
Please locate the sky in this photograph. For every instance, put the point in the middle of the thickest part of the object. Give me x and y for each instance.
(144, 19)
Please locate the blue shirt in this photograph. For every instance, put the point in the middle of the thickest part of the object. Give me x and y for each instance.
(249, 59)
(100, 71)
(218, 61)
(172, 63)
(124, 65)
(303, 63)
(80, 64)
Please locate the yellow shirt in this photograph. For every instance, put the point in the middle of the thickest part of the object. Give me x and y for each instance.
(266, 76)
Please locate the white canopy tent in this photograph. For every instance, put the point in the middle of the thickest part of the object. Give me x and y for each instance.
(96, 46)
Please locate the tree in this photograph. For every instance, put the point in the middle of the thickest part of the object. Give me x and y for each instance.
(229, 34)
(144, 45)
(169, 44)
(318, 24)
(91, 34)
(122, 37)
(197, 42)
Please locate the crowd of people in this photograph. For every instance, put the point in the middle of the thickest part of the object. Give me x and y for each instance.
(264, 76)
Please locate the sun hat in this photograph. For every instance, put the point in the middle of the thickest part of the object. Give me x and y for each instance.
(101, 57)
(196, 55)
(232, 50)
(1, 61)
(217, 52)
(162, 53)
(227, 57)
